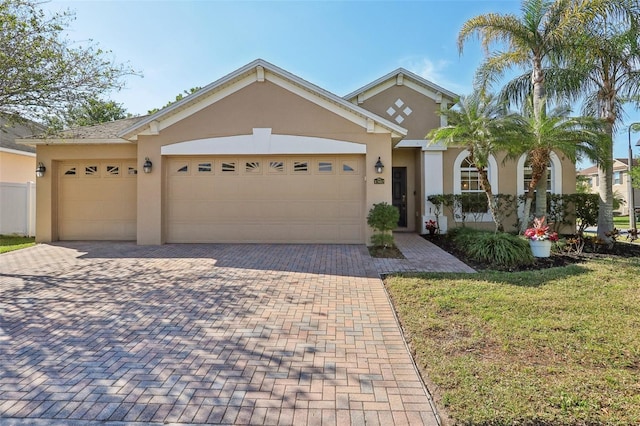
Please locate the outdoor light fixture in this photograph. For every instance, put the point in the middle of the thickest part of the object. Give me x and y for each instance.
(632, 203)
(40, 170)
(147, 165)
(379, 166)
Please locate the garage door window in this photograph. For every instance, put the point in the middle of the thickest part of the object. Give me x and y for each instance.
(91, 171)
(70, 171)
(131, 171)
(228, 167)
(276, 167)
(348, 167)
(301, 167)
(113, 171)
(252, 167)
(325, 166)
(206, 167)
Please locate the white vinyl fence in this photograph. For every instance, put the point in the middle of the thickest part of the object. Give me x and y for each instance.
(18, 208)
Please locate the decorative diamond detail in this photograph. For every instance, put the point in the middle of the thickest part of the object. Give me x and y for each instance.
(399, 119)
(391, 111)
(399, 103)
(407, 111)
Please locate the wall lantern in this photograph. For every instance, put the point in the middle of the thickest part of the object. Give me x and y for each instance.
(147, 165)
(379, 166)
(40, 170)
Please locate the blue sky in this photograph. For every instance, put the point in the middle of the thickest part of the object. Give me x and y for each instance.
(338, 45)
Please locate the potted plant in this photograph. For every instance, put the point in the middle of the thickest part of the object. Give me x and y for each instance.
(432, 226)
(540, 238)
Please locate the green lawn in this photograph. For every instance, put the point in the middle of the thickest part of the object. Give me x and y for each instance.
(12, 242)
(622, 222)
(556, 346)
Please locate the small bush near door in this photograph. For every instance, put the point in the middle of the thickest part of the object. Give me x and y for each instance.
(383, 218)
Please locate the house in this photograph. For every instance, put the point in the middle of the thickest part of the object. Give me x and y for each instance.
(17, 178)
(17, 161)
(620, 183)
(262, 155)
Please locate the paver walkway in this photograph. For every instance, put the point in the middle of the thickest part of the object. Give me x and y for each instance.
(421, 256)
(220, 334)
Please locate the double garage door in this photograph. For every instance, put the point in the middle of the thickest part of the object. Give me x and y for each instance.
(265, 199)
(97, 200)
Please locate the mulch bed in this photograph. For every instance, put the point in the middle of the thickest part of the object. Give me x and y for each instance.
(386, 253)
(590, 251)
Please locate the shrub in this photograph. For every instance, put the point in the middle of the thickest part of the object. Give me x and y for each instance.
(497, 249)
(383, 218)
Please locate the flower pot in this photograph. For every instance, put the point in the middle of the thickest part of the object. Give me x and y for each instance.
(540, 248)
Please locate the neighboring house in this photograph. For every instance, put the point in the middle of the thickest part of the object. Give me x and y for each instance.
(262, 155)
(17, 177)
(17, 161)
(620, 183)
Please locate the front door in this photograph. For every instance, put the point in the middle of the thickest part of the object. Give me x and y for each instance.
(399, 197)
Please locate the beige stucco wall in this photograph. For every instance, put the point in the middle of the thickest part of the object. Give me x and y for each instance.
(424, 110)
(507, 183)
(47, 194)
(17, 168)
(259, 105)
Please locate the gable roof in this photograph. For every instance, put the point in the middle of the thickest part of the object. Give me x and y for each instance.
(619, 164)
(402, 76)
(259, 70)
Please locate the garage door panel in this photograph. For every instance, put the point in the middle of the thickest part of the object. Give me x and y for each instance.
(97, 201)
(272, 205)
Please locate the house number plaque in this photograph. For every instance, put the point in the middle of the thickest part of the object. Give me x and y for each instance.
(378, 181)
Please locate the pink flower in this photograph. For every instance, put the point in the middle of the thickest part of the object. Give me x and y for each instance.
(540, 231)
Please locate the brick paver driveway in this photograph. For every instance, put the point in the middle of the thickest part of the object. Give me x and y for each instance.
(235, 334)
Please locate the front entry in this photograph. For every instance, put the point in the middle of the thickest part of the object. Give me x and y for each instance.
(399, 196)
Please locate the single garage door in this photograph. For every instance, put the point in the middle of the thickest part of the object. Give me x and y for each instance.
(97, 200)
(265, 199)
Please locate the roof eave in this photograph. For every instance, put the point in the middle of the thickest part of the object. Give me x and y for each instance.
(131, 132)
(393, 74)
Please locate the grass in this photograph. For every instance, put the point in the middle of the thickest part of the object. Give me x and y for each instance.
(621, 222)
(552, 347)
(12, 242)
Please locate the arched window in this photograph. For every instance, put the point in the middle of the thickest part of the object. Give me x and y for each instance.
(554, 175)
(466, 180)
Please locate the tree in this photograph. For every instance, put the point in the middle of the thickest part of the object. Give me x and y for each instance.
(534, 41)
(179, 97)
(44, 73)
(554, 131)
(635, 176)
(93, 111)
(482, 126)
(582, 185)
(604, 61)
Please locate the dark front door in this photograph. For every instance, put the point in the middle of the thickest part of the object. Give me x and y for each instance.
(399, 182)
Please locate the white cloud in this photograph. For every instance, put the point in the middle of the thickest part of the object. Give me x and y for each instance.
(435, 71)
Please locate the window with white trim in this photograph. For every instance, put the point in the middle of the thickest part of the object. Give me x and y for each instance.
(528, 176)
(617, 178)
(476, 201)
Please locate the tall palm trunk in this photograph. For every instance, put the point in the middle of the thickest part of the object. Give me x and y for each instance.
(605, 176)
(538, 183)
(491, 201)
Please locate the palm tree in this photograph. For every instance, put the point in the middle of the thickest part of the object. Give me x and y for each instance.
(605, 61)
(553, 131)
(533, 42)
(479, 124)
